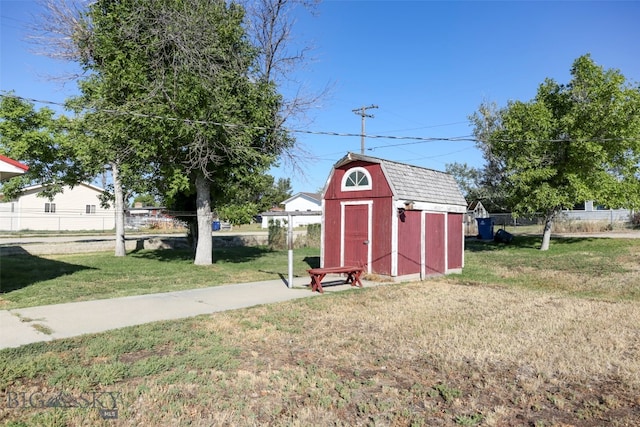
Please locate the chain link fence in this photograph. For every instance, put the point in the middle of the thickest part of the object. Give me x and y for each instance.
(568, 221)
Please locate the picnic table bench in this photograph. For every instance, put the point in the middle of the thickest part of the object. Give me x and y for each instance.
(317, 274)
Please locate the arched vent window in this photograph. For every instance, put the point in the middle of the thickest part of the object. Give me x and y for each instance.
(356, 179)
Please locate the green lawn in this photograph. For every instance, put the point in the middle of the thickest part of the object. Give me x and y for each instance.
(601, 268)
(31, 280)
(591, 267)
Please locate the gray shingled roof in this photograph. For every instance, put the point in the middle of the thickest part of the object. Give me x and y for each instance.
(317, 196)
(415, 183)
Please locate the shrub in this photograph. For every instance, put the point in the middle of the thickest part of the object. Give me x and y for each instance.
(277, 234)
(577, 226)
(313, 235)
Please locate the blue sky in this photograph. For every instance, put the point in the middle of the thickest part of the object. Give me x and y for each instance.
(426, 65)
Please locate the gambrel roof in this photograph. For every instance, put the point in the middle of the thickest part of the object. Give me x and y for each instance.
(414, 183)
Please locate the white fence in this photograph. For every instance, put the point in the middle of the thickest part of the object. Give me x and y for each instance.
(610, 216)
(12, 222)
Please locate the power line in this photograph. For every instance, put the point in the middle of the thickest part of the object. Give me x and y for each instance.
(416, 139)
(445, 154)
(466, 138)
(428, 127)
(236, 125)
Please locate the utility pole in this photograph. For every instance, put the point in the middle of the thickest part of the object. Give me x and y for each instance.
(362, 112)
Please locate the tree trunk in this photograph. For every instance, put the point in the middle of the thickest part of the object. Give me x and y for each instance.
(204, 246)
(192, 234)
(546, 234)
(118, 194)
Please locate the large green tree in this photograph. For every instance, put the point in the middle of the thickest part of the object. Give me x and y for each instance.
(227, 112)
(476, 183)
(255, 194)
(44, 141)
(572, 142)
(114, 88)
(173, 91)
(184, 92)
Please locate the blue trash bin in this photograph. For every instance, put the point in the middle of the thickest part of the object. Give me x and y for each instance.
(485, 228)
(215, 226)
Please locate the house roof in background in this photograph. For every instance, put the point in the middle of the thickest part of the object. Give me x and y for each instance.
(474, 204)
(315, 197)
(10, 168)
(84, 184)
(414, 183)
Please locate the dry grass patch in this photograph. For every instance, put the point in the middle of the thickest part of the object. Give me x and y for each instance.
(420, 354)
(436, 354)
(577, 226)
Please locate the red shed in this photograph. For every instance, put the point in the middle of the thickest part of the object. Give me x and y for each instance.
(399, 220)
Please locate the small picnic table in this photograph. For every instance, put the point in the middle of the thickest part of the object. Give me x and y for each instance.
(317, 274)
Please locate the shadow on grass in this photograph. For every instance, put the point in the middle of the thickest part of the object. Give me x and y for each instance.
(236, 254)
(22, 269)
(166, 255)
(519, 242)
(572, 240)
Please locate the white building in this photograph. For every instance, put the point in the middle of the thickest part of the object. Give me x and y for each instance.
(305, 209)
(589, 211)
(76, 208)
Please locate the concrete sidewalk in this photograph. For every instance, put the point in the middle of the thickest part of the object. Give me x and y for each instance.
(22, 326)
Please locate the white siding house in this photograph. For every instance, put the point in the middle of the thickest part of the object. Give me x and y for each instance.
(591, 212)
(76, 208)
(305, 208)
